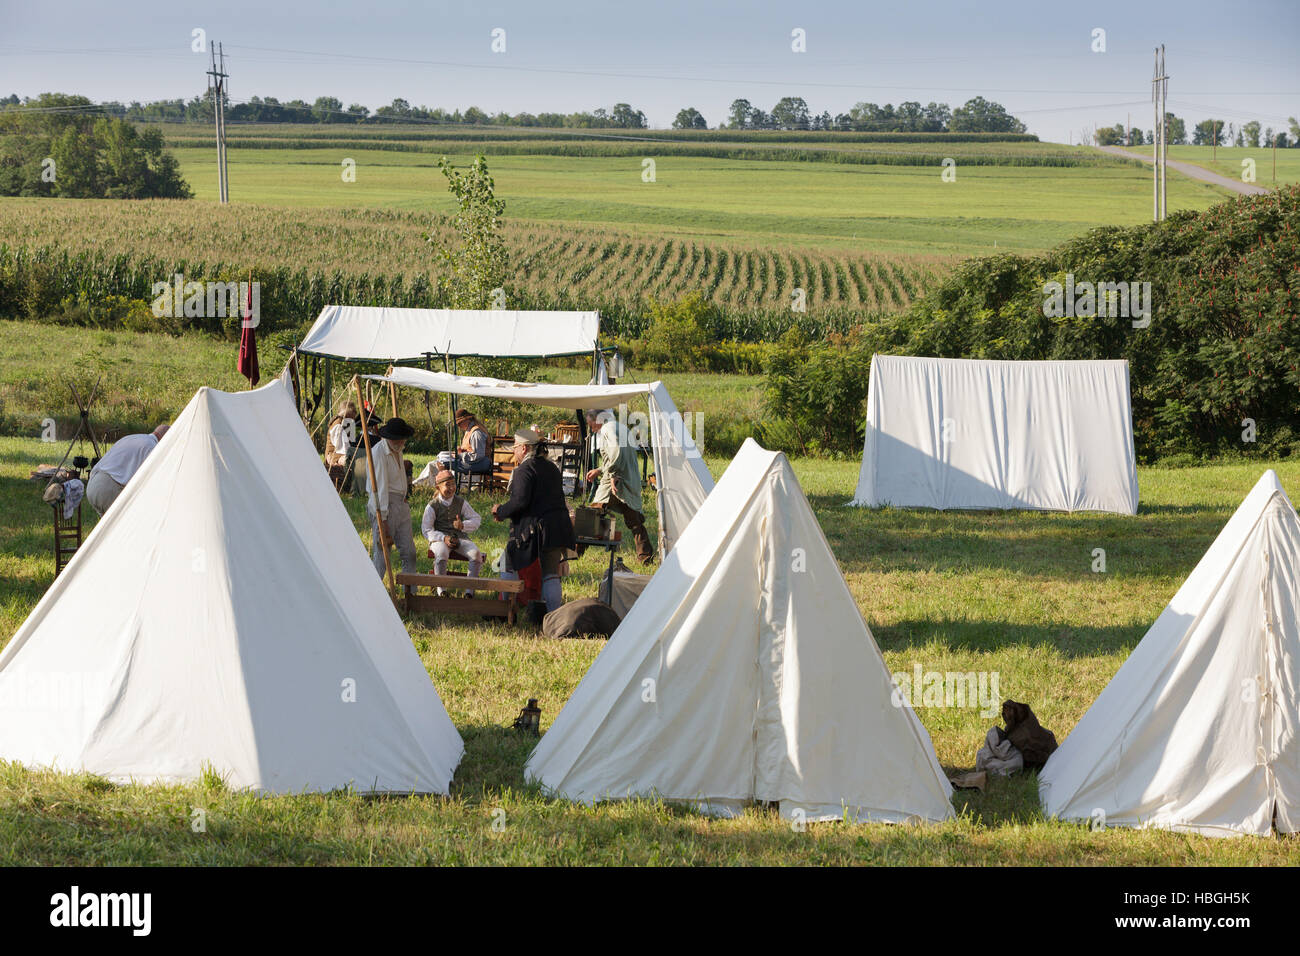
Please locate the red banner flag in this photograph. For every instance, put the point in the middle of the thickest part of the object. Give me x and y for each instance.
(248, 340)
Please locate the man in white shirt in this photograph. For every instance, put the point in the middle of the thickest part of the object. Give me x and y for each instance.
(118, 466)
(387, 505)
(447, 519)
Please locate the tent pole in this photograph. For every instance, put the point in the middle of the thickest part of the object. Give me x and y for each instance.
(451, 405)
(584, 452)
(329, 390)
(297, 384)
(370, 469)
(343, 389)
(428, 401)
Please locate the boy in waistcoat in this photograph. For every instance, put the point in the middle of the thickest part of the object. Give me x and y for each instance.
(447, 519)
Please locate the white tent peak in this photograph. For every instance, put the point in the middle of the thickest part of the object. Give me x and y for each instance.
(745, 672)
(1198, 730)
(223, 613)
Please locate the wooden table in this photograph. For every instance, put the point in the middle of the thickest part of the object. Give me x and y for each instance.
(609, 544)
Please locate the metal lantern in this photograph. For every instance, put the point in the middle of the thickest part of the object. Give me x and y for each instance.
(530, 718)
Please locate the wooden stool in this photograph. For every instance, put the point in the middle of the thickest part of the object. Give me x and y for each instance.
(67, 536)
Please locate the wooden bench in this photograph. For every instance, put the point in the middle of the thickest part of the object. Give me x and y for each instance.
(491, 607)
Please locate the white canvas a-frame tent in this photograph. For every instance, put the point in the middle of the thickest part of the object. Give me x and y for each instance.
(964, 433)
(1199, 731)
(682, 477)
(224, 614)
(745, 672)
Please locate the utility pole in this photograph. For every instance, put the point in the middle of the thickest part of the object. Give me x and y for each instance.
(217, 77)
(1128, 129)
(1164, 138)
(1155, 146)
(1160, 148)
(1214, 140)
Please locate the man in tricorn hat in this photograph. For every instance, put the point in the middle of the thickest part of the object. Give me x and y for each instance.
(387, 507)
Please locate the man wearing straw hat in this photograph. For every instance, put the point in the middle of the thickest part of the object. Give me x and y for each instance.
(387, 506)
(473, 456)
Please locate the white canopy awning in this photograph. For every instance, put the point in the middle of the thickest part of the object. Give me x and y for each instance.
(682, 476)
(352, 332)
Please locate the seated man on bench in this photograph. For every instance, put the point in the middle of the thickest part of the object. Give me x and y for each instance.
(447, 520)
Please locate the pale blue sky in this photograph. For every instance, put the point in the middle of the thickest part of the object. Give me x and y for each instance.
(1233, 60)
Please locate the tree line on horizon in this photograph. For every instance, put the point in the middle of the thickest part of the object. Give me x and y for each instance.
(977, 115)
(1208, 132)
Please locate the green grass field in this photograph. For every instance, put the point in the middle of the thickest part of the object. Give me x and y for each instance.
(782, 218)
(1229, 161)
(1011, 593)
(882, 208)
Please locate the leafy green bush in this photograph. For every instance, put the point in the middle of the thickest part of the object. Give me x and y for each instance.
(101, 157)
(815, 394)
(678, 330)
(1222, 346)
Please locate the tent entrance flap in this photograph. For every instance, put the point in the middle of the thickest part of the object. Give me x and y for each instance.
(683, 478)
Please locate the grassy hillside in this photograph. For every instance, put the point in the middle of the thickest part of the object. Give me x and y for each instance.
(891, 209)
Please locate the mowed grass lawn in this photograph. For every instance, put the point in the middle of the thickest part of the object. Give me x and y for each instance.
(898, 209)
(1010, 593)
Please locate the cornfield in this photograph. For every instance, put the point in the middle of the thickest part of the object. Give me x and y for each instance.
(308, 258)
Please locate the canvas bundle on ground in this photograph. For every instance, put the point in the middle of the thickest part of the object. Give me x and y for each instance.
(1199, 731)
(745, 672)
(223, 614)
(621, 587)
(958, 433)
(585, 617)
